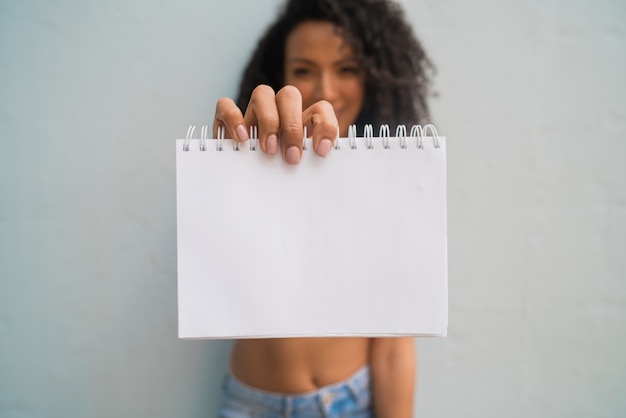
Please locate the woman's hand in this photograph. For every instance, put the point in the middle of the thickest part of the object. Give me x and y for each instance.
(280, 121)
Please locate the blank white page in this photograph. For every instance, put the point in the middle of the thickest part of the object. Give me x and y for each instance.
(354, 244)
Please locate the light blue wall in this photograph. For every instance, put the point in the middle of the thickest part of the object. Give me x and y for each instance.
(532, 98)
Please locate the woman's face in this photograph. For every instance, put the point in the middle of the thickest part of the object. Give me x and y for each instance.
(323, 67)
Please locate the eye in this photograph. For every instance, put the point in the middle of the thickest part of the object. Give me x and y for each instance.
(300, 72)
(349, 70)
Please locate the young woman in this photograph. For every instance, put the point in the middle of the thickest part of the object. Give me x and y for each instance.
(324, 65)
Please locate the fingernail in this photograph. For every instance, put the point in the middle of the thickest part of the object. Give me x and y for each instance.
(271, 145)
(324, 147)
(293, 155)
(242, 134)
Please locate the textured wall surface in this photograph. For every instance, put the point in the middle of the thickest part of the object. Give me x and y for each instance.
(532, 98)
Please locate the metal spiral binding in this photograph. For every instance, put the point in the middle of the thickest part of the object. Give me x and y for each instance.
(351, 131)
(352, 136)
(219, 145)
(254, 138)
(190, 132)
(369, 138)
(203, 137)
(236, 145)
(417, 131)
(433, 130)
(384, 134)
(368, 134)
(400, 133)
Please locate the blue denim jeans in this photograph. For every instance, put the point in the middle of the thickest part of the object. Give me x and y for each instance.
(350, 398)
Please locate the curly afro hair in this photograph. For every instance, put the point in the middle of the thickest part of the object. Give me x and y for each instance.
(397, 70)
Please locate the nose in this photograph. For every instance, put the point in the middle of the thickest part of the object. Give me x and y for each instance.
(327, 88)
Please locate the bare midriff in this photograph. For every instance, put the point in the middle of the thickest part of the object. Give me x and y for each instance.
(297, 365)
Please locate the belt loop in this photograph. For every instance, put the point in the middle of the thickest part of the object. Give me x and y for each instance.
(287, 407)
(325, 401)
(354, 390)
(360, 382)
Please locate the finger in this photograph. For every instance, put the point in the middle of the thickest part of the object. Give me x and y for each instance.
(289, 103)
(228, 115)
(321, 121)
(263, 113)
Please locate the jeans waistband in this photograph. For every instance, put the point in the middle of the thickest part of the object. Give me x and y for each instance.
(354, 387)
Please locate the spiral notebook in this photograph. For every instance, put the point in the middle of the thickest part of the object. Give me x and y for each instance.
(354, 244)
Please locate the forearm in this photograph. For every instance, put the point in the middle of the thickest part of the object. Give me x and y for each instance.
(393, 366)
